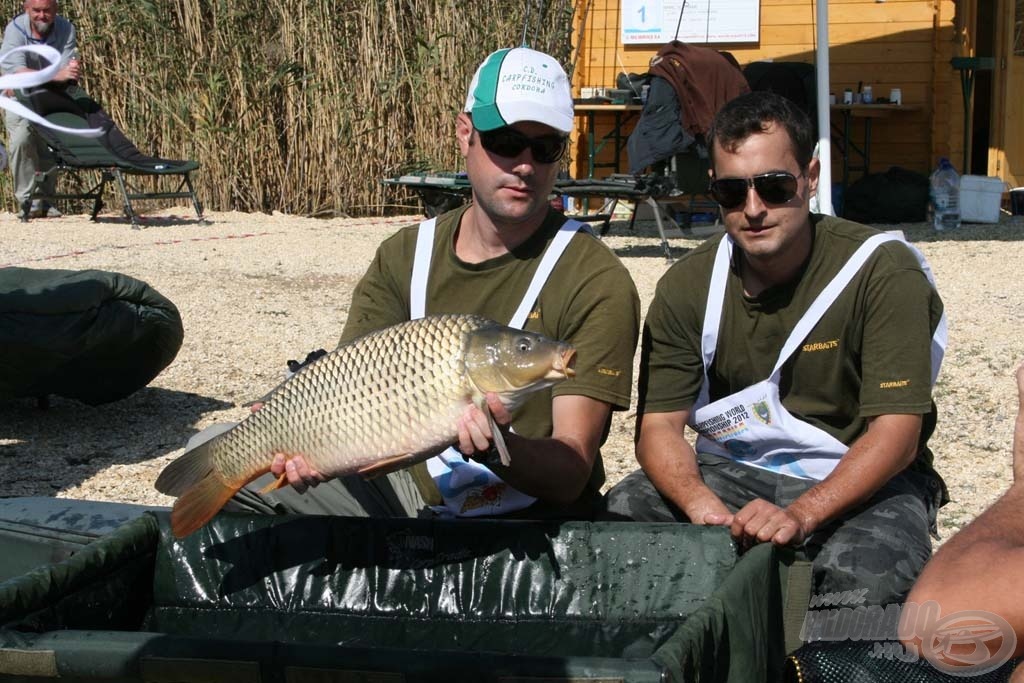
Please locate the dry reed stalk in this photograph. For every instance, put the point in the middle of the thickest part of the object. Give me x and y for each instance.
(299, 107)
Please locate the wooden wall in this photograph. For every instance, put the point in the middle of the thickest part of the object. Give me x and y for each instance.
(892, 43)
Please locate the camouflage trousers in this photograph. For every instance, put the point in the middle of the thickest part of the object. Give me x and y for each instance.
(876, 549)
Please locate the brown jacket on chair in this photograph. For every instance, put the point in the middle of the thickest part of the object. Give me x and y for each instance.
(703, 78)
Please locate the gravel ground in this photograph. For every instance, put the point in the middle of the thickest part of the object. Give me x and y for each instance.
(257, 290)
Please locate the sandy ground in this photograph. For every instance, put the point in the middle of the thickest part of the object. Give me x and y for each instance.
(257, 290)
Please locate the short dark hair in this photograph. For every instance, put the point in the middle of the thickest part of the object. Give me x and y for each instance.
(752, 113)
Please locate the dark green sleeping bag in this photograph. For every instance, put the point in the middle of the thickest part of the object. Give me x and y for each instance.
(90, 335)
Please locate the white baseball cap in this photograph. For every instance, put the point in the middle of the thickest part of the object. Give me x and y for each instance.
(520, 84)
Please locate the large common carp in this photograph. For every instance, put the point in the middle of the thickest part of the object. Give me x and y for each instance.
(382, 402)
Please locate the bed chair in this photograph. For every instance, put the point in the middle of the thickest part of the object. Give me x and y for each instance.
(112, 155)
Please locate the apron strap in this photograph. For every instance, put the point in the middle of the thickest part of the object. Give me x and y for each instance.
(547, 264)
(716, 300)
(827, 297)
(941, 336)
(421, 269)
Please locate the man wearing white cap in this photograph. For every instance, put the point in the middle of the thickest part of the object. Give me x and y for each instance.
(510, 257)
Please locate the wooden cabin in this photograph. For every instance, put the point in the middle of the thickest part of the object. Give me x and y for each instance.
(905, 44)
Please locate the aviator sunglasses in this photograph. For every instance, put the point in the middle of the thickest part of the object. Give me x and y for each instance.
(510, 143)
(777, 187)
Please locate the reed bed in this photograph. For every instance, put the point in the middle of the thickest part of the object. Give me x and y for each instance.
(299, 107)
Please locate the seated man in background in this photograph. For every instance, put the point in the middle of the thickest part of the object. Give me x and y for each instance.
(38, 25)
(980, 567)
(802, 349)
(510, 257)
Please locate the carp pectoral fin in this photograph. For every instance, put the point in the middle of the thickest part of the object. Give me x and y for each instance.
(499, 439)
(400, 462)
(389, 465)
(278, 483)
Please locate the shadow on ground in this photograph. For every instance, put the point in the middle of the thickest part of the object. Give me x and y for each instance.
(154, 221)
(75, 440)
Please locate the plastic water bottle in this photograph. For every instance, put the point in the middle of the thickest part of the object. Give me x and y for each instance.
(945, 196)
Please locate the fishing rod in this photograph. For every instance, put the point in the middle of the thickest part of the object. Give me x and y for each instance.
(526, 23)
(680, 22)
(707, 24)
(579, 39)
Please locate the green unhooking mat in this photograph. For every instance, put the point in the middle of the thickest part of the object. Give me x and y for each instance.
(306, 598)
(91, 335)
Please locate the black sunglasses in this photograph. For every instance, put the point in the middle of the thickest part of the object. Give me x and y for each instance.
(777, 187)
(510, 143)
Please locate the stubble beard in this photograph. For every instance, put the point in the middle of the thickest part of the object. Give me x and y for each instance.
(513, 212)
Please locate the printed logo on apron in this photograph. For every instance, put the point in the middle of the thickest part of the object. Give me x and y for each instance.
(469, 488)
(752, 426)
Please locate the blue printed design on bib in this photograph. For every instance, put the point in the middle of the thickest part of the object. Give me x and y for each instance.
(740, 449)
(788, 463)
(450, 489)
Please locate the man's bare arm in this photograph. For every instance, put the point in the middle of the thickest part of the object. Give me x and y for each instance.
(887, 447)
(1018, 430)
(556, 468)
(670, 463)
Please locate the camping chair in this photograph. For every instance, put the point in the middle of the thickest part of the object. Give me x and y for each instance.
(115, 157)
(662, 146)
(689, 83)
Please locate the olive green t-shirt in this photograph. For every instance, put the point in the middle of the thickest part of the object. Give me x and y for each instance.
(589, 301)
(869, 355)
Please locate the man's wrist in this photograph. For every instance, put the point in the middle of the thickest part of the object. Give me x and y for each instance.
(803, 512)
(700, 501)
(489, 457)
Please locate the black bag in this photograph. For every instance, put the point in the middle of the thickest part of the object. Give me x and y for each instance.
(896, 196)
(634, 83)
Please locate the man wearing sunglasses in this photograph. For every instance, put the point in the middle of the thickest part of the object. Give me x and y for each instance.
(508, 256)
(802, 350)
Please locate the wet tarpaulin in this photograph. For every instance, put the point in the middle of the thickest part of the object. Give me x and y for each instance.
(272, 597)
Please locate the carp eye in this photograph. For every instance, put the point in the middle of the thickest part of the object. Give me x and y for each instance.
(524, 344)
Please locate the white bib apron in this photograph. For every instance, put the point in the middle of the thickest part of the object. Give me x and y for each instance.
(752, 426)
(469, 488)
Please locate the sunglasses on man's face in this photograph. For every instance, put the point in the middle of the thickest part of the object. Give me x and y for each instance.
(510, 143)
(774, 188)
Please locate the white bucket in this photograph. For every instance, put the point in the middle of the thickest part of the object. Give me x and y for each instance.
(980, 198)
